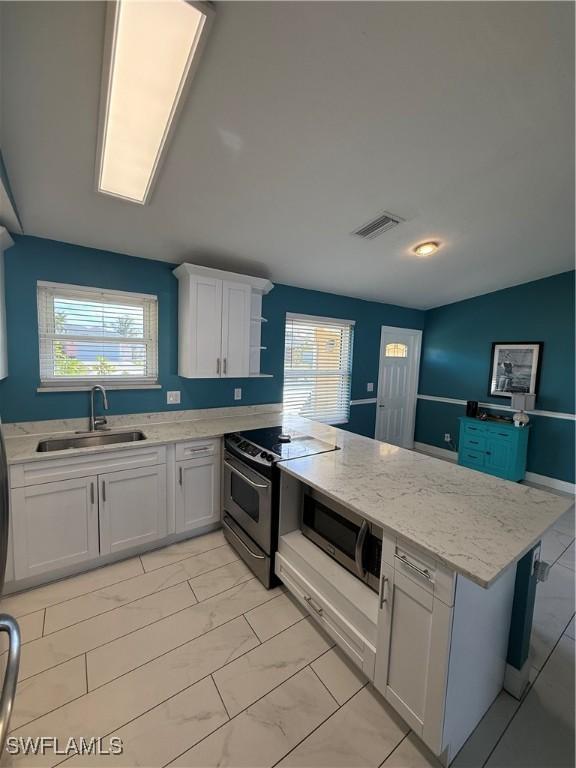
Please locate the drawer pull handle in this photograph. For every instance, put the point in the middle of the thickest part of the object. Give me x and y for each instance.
(502, 434)
(91, 493)
(471, 456)
(422, 571)
(180, 475)
(103, 490)
(200, 450)
(474, 442)
(488, 453)
(315, 607)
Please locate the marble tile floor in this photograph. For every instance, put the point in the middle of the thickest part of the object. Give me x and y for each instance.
(191, 662)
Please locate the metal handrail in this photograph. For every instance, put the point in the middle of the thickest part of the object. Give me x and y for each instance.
(9, 625)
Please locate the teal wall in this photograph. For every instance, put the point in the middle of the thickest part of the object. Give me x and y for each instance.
(32, 259)
(456, 364)
(455, 354)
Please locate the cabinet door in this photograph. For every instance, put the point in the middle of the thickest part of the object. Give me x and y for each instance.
(412, 653)
(201, 329)
(236, 300)
(132, 507)
(54, 525)
(197, 493)
(497, 456)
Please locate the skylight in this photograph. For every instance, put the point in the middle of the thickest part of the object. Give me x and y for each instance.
(150, 52)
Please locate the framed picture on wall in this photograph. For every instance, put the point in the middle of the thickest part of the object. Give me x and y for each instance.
(515, 368)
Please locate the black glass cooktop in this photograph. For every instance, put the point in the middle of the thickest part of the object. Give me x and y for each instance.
(286, 444)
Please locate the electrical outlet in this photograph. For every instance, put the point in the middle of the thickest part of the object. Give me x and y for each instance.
(370, 387)
(173, 398)
(447, 437)
(237, 394)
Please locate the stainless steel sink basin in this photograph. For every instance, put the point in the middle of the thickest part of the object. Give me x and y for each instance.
(89, 440)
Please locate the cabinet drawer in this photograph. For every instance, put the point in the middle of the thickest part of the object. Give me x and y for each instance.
(331, 620)
(470, 458)
(474, 429)
(197, 449)
(420, 567)
(84, 464)
(474, 442)
(499, 433)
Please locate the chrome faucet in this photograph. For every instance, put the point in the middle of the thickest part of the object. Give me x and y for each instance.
(98, 422)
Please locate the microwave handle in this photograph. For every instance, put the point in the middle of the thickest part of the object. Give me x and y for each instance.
(359, 549)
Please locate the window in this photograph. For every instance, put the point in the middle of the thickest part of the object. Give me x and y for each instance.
(88, 336)
(396, 350)
(318, 367)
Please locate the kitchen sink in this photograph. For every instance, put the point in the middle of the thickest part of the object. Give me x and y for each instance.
(89, 440)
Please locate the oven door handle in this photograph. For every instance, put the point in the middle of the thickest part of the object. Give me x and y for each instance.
(359, 549)
(245, 477)
(255, 555)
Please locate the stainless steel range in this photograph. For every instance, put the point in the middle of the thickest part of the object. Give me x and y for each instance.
(251, 483)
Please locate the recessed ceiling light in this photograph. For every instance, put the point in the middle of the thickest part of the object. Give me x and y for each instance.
(426, 249)
(150, 52)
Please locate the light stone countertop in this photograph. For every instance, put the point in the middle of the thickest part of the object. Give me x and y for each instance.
(475, 524)
(22, 439)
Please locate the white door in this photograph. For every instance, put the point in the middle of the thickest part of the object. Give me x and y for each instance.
(236, 301)
(398, 385)
(54, 525)
(205, 327)
(412, 651)
(197, 493)
(132, 507)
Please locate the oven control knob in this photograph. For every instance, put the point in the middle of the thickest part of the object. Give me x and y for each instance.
(269, 456)
(264, 455)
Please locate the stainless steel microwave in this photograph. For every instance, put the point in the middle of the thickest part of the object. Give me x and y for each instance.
(347, 537)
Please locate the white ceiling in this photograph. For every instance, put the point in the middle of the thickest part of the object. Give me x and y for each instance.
(305, 121)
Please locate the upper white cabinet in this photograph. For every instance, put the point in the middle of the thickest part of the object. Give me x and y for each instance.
(219, 322)
(5, 242)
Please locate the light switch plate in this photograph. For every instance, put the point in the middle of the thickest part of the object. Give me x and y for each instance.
(370, 387)
(238, 393)
(173, 398)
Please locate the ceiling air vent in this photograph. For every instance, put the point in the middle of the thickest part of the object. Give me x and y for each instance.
(378, 226)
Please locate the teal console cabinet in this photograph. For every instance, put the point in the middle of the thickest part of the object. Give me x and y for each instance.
(493, 447)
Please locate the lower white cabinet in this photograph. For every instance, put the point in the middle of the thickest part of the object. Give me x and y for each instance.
(132, 507)
(413, 645)
(54, 525)
(197, 492)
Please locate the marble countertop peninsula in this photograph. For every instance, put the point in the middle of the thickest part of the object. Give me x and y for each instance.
(475, 524)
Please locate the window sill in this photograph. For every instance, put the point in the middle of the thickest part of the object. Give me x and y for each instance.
(88, 387)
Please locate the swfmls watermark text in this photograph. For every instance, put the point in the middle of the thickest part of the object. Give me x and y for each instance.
(43, 745)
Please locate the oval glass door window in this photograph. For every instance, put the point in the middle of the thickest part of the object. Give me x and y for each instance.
(396, 350)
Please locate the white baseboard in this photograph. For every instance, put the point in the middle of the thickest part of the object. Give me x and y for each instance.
(439, 453)
(516, 680)
(551, 482)
(531, 477)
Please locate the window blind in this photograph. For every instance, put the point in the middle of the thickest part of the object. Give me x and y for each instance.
(88, 336)
(318, 367)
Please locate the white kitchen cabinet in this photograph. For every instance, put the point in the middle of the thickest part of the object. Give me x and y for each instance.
(413, 651)
(132, 507)
(54, 525)
(217, 333)
(197, 492)
(5, 243)
(441, 645)
(236, 299)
